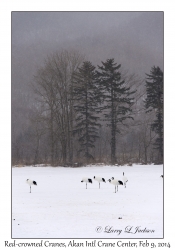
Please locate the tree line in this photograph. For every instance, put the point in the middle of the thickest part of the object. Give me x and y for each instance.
(87, 114)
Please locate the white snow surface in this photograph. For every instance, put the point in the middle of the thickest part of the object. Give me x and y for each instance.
(60, 206)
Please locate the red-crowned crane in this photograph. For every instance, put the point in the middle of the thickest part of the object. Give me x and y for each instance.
(30, 182)
(125, 179)
(87, 180)
(115, 182)
(99, 179)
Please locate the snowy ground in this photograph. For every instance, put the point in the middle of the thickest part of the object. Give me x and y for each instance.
(60, 206)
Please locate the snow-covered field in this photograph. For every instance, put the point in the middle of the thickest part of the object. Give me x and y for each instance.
(60, 206)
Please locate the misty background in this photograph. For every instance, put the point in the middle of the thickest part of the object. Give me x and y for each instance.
(133, 39)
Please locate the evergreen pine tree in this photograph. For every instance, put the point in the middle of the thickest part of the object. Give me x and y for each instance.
(116, 97)
(154, 101)
(86, 107)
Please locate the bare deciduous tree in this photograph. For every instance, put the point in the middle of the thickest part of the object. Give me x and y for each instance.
(53, 88)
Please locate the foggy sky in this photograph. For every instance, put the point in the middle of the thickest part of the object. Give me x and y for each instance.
(133, 39)
(57, 27)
